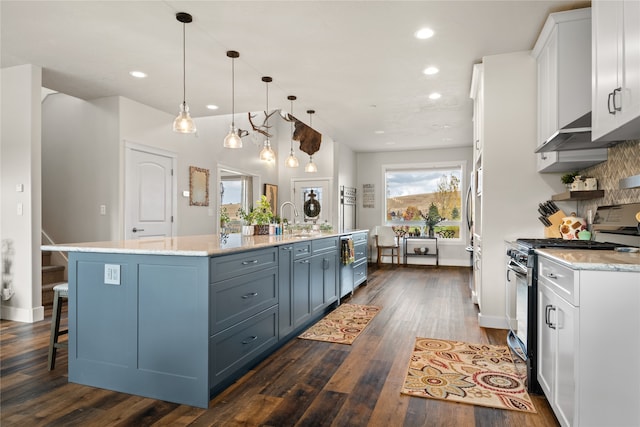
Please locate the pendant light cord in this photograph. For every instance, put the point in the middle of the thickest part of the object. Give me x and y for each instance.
(184, 67)
(233, 93)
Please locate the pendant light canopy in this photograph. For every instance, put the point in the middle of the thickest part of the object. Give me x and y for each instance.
(310, 167)
(233, 140)
(183, 123)
(267, 154)
(292, 160)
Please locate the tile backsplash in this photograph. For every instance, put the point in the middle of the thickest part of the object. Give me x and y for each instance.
(623, 161)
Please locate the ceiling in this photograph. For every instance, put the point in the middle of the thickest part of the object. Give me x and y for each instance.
(356, 63)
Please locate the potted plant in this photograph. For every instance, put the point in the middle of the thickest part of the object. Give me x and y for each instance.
(224, 218)
(262, 216)
(431, 219)
(568, 178)
(247, 221)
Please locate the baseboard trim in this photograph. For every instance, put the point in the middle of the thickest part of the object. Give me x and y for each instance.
(25, 315)
(494, 322)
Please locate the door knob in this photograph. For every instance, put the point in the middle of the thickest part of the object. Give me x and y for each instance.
(135, 230)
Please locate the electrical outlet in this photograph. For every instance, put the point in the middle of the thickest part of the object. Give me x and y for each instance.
(111, 274)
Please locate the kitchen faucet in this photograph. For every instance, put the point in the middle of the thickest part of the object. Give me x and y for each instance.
(295, 212)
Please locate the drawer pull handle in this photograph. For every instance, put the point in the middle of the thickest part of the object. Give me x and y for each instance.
(303, 250)
(551, 276)
(250, 340)
(250, 295)
(287, 248)
(255, 261)
(547, 315)
(359, 253)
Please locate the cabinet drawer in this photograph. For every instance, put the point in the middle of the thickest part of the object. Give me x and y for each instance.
(301, 249)
(236, 299)
(234, 348)
(359, 237)
(324, 245)
(227, 266)
(562, 279)
(360, 250)
(359, 272)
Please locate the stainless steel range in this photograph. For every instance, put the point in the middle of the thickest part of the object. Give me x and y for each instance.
(616, 224)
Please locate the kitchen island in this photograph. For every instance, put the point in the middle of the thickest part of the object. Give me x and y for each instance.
(588, 323)
(180, 319)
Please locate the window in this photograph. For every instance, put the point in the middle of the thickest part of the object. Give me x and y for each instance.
(418, 191)
(236, 191)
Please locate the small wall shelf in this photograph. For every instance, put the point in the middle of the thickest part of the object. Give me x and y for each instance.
(578, 195)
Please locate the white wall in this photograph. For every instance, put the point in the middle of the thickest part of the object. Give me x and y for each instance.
(369, 171)
(20, 165)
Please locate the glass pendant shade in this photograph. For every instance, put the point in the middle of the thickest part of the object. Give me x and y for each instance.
(311, 167)
(292, 160)
(232, 140)
(267, 154)
(184, 123)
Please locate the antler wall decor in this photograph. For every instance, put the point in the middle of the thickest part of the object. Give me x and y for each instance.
(264, 127)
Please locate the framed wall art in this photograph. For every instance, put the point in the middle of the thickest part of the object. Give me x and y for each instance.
(198, 186)
(271, 191)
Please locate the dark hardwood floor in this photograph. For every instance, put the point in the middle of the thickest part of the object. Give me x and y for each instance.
(305, 383)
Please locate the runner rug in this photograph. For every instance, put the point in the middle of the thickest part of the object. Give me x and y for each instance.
(342, 325)
(478, 374)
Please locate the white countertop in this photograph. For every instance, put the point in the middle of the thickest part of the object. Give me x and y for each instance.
(581, 259)
(202, 245)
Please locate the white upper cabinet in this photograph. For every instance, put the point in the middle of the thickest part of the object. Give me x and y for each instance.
(616, 70)
(477, 94)
(563, 57)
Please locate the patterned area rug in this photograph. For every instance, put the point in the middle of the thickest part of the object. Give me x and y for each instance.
(478, 374)
(342, 325)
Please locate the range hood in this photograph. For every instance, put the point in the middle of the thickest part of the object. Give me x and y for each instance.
(630, 182)
(575, 136)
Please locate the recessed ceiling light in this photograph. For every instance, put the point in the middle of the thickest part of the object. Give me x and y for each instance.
(424, 33)
(379, 132)
(138, 74)
(212, 107)
(435, 95)
(430, 71)
(390, 143)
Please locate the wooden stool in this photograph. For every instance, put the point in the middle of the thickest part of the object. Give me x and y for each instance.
(60, 292)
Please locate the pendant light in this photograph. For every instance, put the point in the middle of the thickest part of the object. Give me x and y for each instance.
(292, 160)
(233, 140)
(310, 167)
(183, 123)
(267, 153)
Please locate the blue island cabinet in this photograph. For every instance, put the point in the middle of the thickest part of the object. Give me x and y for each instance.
(139, 324)
(182, 328)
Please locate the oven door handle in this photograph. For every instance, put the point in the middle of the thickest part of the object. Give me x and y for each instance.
(512, 266)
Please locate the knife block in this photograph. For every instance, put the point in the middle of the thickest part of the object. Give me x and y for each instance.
(553, 231)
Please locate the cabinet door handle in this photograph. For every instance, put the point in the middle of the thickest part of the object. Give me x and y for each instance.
(306, 261)
(543, 156)
(609, 97)
(255, 261)
(250, 339)
(618, 90)
(250, 295)
(547, 316)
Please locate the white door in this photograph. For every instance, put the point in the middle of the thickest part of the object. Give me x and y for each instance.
(149, 192)
(321, 189)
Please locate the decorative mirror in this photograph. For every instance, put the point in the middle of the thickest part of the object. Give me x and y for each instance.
(198, 186)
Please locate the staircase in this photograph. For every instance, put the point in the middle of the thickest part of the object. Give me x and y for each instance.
(51, 276)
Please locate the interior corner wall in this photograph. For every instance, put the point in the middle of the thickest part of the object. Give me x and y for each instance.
(345, 161)
(80, 168)
(20, 222)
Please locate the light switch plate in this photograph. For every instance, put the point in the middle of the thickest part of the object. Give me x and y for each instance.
(111, 274)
